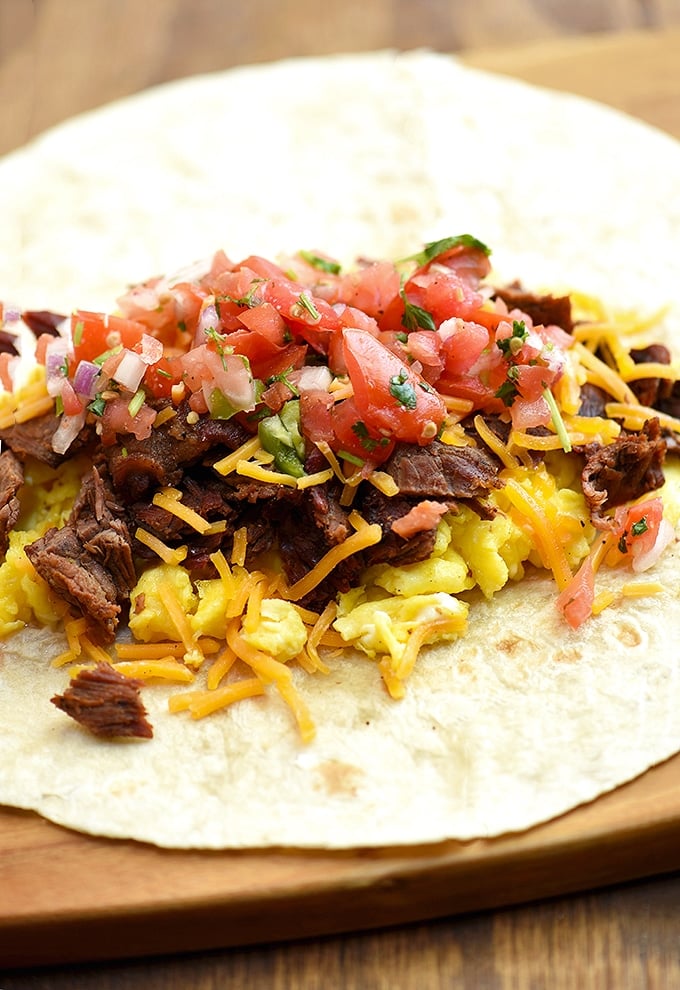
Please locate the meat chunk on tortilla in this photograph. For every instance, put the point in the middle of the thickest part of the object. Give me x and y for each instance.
(106, 703)
(88, 562)
(11, 480)
(623, 470)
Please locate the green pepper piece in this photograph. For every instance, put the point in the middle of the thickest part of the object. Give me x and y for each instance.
(290, 417)
(276, 440)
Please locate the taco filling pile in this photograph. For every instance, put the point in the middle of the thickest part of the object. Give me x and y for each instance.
(252, 466)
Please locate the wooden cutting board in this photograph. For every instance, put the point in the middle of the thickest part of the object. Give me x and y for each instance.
(65, 896)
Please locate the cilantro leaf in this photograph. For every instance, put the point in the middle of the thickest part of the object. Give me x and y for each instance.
(434, 248)
(322, 264)
(415, 317)
(509, 346)
(403, 391)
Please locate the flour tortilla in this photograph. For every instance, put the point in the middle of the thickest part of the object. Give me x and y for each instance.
(367, 155)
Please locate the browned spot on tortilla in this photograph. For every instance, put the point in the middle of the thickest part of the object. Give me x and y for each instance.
(628, 635)
(339, 778)
(569, 654)
(509, 644)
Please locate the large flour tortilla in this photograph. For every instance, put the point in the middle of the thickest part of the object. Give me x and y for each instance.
(372, 155)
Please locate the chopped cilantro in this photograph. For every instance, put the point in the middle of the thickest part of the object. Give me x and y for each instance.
(97, 406)
(509, 346)
(322, 264)
(163, 373)
(367, 441)
(558, 422)
(282, 376)
(507, 392)
(352, 458)
(639, 527)
(136, 402)
(78, 332)
(181, 325)
(403, 391)
(306, 303)
(414, 316)
(247, 300)
(401, 337)
(434, 248)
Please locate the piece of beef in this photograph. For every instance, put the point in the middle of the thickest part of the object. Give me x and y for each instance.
(88, 562)
(650, 391)
(101, 527)
(34, 439)
(11, 480)
(329, 515)
(74, 575)
(106, 703)
(138, 467)
(544, 310)
(303, 540)
(440, 471)
(623, 470)
(593, 400)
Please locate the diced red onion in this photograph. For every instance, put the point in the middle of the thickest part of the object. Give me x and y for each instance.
(85, 379)
(56, 355)
(68, 429)
(130, 371)
(207, 320)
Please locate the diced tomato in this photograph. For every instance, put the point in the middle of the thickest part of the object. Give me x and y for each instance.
(473, 389)
(425, 346)
(72, 403)
(5, 376)
(266, 358)
(390, 396)
(422, 517)
(371, 289)
(315, 415)
(95, 333)
(575, 602)
(160, 377)
(638, 529)
(312, 320)
(265, 320)
(356, 436)
(463, 343)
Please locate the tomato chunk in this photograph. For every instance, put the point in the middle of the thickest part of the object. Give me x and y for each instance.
(390, 396)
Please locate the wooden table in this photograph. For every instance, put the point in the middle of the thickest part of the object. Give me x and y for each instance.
(620, 937)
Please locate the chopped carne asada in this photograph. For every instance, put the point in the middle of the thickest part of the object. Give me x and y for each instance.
(622, 471)
(106, 703)
(11, 480)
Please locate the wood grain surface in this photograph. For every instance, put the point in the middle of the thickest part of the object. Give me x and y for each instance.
(58, 57)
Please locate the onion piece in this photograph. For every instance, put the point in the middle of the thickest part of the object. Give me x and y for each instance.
(643, 561)
(311, 377)
(68, 429)
(56, 364)
(85, 379)
(130, 370)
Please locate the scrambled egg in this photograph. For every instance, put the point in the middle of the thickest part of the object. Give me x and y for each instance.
(46, 500)
(470, 554)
